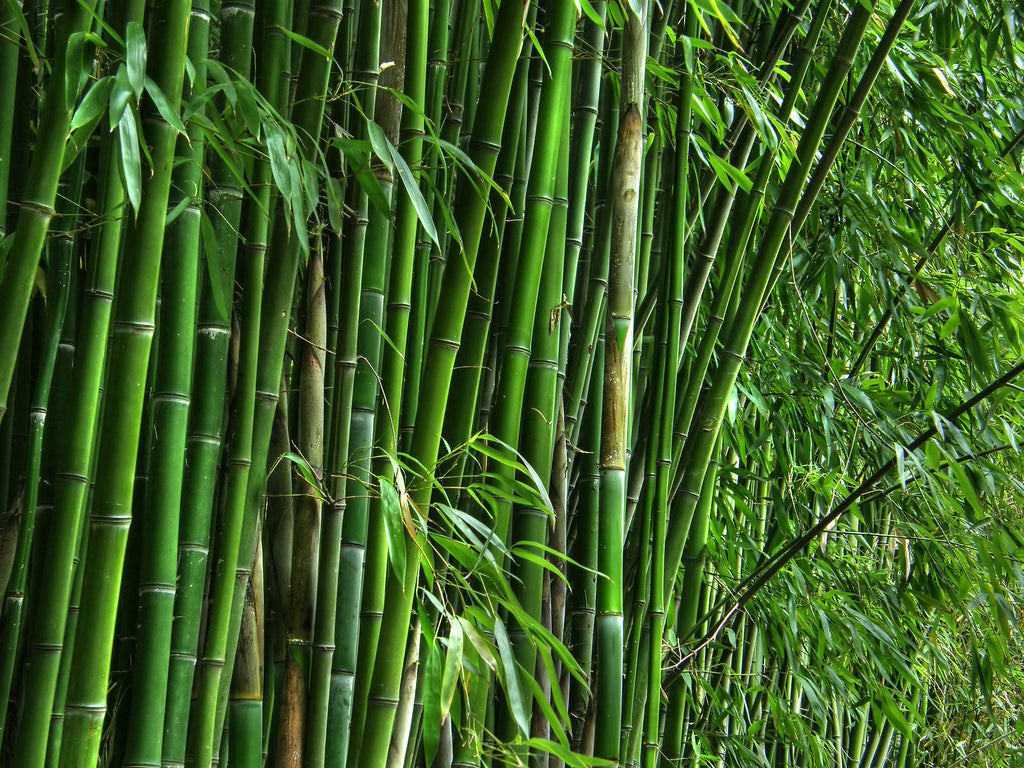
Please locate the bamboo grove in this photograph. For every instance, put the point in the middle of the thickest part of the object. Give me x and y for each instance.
(464, 382)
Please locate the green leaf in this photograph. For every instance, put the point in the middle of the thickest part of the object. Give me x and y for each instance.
(379, 142)
(76, 73)
(358, 161)
(307, 473)
(163, 106)
(94, 103)
(120, 96)
(394, 528)
(284, 176)
(431, 699)
(135, 57)
(304, 41)
(510, 677)
(452, 667)
(335, 198)
(220, 279)
(570, 758)
(415, 196)
(131, 161)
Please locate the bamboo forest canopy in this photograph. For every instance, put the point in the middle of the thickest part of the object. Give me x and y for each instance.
(472, 383)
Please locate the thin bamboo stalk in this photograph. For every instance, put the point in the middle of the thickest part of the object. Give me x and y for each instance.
(171, 402)
(617, 379)
(38, 198)
(446, 333)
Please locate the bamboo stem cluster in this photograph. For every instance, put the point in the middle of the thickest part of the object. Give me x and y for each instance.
(438, 383)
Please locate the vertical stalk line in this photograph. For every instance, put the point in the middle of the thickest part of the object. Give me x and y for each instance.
(358, 398)
(700, 441)
(551, 114)
(588, 319)
(350, 555)
(531, 526)
(465, 21)
(10, 55)
(392, 355)
(46, 629)
(446, 332)
(584, 107)
(583, 547)
(130, 353)
(670, 346)
(747, 214)
(204, 440)
(58, 289)
(159, 519)
(38, 198)
(625, 191)
(303, 586)
(287, 245)
(499, 244)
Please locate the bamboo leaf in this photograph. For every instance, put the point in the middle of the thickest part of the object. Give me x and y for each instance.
(510, 677)
(307, 473)
(415, 196)
(135, 57)
(304, 41)
(334, 204)
(570, 758)
(163, 106)
(76, 68)
(452, 667)
(220, 279)
(480, 644)
(379, 143)
(93, 104)
(358, 162)
(432, 692)
(394, 528)
(131, 161)
(120, 96)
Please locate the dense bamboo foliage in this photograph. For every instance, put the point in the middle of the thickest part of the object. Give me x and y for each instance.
(468, 383)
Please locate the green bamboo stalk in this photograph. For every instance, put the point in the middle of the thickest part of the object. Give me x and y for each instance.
(171, 403)
(39, 195)
(245, 729)
(672, 335)
(9, 57)
(618, 351)
(307, 508)
(352, 455)
(588, 319)
(45, 640)
(130, 349)
(325, 591)
(351, 554)
(447, 330)
(552, 114)
(530, 526)
(207, 414)
(700, 442)
(18, 535)
(583, 546)
(262, 366)
(499, 247)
